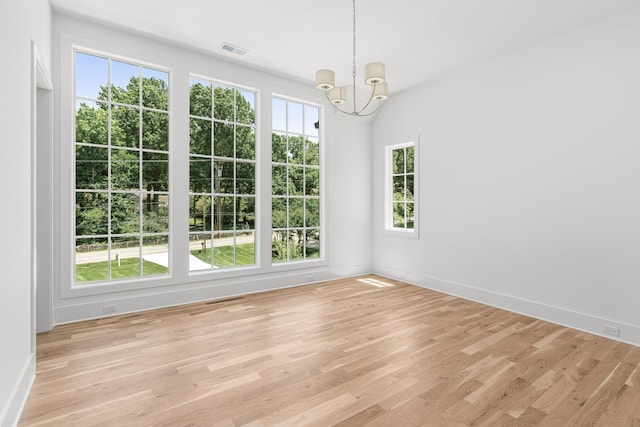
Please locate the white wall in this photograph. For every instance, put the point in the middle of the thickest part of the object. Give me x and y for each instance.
(346, 185)
(529, 180)
(20, 23)
(350, 194)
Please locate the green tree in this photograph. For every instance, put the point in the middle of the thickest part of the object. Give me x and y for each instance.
(222, 130)
(295, 187)
(92, 165)
(91, 213)
(203, 209)
(279, 147)
(92, 124)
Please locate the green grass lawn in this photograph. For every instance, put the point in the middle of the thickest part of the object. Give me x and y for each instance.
(129, 267)
(223, 255)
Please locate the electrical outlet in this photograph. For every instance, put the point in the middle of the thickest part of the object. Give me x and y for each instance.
(611, 330)
(109, 308)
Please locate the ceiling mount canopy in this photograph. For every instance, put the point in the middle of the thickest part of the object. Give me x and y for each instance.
(374, 76)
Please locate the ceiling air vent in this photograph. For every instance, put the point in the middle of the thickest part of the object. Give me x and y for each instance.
(228, 47)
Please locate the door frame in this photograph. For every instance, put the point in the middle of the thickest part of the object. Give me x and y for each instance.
(41, 196)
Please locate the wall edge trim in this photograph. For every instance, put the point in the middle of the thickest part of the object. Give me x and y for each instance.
(585, 322)
(13, 410)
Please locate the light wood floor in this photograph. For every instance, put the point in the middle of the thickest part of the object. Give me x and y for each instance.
(363, 351)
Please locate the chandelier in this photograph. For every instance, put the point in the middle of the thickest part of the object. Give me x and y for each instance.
(374, 77)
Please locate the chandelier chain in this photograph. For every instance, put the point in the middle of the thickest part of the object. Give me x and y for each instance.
(353, 71)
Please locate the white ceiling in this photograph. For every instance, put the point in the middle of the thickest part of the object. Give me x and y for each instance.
(418, 40)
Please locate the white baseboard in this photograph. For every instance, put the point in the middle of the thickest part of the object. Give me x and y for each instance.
(153, 298)
(629, 334)
(11, 412)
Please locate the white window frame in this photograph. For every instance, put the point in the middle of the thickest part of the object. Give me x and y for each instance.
(389, 228)
(256, 163)
(179, 276)
(110, 191)
(322, 259)
(64, 182)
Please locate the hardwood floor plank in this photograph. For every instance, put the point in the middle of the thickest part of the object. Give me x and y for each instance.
(351, 352)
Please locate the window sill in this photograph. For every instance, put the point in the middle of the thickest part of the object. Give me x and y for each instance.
(407, 234)
(192, 277)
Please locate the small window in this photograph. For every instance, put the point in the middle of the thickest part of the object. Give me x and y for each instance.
(401, 186)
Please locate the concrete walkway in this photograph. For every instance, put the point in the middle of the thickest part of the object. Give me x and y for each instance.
(162, 258)
(133, 252)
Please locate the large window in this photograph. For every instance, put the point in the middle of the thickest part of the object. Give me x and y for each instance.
(121, 169)
(400, 209)
(222, 176)
(295, 174)
(121, 213)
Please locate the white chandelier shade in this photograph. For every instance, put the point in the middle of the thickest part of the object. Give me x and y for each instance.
(325, 79)
(337, 95)
(381, 92)
(374, 73)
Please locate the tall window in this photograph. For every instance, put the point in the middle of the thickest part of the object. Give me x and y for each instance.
(400, 195)
(121, 169)
(295, 176)
(222, 176)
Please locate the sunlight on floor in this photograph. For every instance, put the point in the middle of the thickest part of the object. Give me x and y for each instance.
(375, 282)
